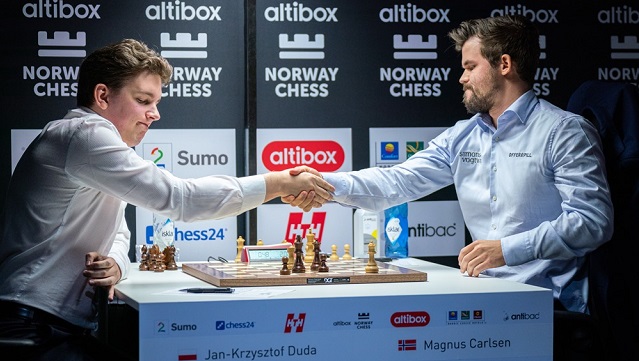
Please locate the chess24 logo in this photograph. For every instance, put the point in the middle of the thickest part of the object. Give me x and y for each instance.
(227, 325)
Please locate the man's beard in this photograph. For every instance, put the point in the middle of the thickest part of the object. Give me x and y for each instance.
(480, 103)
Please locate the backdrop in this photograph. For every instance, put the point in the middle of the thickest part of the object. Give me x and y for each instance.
(328, 67)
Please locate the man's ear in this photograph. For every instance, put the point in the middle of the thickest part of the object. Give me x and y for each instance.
(101, 96)
(506, 65)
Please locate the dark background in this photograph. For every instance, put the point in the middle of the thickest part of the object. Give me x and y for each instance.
(240, 40)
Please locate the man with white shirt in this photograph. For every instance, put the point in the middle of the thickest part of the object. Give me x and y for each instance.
(63, 231)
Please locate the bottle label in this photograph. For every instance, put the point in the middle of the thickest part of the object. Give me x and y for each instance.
(396, 231)
(163, 231)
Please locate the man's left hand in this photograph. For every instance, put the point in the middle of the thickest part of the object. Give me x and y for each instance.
(479, 256)
(102, 271)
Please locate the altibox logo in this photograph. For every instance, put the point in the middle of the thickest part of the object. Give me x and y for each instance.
(323, 155)
(410, 319)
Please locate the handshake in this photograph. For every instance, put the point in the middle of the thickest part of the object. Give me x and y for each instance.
(301, 187)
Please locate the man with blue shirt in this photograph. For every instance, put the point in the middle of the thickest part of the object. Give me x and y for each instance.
(530, 177)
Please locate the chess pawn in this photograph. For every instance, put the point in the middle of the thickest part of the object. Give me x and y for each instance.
(260, 242)
(334, 256)
(285, 270)
(347, 252)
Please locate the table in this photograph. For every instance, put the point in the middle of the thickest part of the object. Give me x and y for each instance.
(450, 316)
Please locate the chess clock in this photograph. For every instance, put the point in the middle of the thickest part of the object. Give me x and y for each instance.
(271, 252)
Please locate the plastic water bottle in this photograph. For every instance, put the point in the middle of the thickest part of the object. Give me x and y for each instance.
(365, 230)
(396, 231)
(163, 231)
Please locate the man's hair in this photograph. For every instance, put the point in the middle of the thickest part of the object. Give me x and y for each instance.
(117, 63)
(512, 35)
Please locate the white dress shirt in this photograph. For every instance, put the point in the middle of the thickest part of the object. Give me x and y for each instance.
(67, 197)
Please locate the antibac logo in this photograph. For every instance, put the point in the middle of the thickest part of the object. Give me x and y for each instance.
(294, 323)
(296, 226)
(410, 319)
(323, 155)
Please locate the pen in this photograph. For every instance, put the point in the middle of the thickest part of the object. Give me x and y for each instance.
(208, 290)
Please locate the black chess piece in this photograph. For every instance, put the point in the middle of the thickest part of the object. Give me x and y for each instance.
(285, 271)
(323, 267)
(298, 266)
(316, 258)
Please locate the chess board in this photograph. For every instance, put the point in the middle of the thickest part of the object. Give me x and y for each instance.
(268, 274)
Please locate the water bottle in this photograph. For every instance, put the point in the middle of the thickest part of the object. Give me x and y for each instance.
(396, 231)
(365, 230)
(163, 231)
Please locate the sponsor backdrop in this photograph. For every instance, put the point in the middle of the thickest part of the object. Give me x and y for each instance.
(281, 81)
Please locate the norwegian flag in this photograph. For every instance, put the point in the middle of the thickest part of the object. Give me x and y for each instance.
(407, 345)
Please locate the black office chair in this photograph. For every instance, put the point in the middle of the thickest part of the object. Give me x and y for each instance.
(612, 328)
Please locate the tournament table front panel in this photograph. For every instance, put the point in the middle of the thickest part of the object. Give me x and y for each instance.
(448, 317)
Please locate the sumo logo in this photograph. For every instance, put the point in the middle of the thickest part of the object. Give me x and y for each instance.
(410, 319)
(323, 155)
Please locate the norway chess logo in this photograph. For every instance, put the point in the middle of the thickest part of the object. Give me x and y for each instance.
(294, 323)
(62, 44)
(296, 226)
(301, 47)
(415, 47)
(184, 46)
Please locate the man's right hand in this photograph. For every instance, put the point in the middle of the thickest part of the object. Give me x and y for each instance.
(305, 200)
(301, 187)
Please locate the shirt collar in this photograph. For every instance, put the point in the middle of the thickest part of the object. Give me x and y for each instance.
(519, 109)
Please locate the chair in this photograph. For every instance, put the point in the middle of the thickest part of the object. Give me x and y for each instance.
(613, 107)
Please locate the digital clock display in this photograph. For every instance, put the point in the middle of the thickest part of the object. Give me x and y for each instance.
(257, 255)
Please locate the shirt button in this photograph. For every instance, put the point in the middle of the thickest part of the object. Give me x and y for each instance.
(494, 169)
(494, 226)
(494, 198)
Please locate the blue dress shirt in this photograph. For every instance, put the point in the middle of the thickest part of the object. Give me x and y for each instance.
(537, 182)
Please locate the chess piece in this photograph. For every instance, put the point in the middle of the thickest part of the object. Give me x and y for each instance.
(291, 251)
(298, 265)
(310, 238)
(323, 267)
(285, 271)
(260, 242)
(169, 258)
(347, 252)
(144, 259)
(240, 247)
(371, 266)
(334, 256)
(316, 256)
